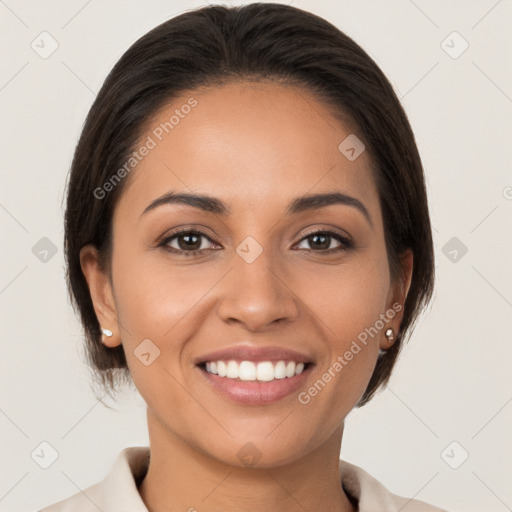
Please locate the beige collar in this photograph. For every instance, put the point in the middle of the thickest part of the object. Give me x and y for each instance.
(118, 491)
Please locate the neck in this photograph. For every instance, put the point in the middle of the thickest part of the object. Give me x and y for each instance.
(188, 479)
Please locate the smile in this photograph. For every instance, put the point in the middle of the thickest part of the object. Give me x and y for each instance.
(255, 383)
(263, 371)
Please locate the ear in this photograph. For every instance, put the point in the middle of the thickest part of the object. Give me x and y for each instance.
(396, 298)
(101, 294)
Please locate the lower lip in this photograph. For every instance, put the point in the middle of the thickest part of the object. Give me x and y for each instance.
(256, 392)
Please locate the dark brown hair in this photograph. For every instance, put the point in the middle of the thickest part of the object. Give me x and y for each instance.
(214, 45)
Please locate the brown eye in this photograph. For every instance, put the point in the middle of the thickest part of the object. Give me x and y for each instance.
(186, 242)
(321, 241)
(190, 242)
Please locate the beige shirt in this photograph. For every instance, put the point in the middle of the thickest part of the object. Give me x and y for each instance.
(118, 491)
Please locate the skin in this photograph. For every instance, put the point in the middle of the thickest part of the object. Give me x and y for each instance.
(255, 146)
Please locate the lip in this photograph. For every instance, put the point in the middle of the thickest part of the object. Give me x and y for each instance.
(257, 354)
(256, 392)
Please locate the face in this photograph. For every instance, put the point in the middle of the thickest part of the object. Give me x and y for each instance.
(259, 268)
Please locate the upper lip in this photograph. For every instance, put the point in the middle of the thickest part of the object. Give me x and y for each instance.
(257, 354)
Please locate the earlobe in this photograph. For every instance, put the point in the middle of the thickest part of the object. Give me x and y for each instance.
(101, 295)
(396, 302)
(389, 334)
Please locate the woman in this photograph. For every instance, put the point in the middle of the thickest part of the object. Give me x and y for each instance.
(247, 237)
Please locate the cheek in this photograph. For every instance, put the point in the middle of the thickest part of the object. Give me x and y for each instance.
(346, 298)
(160, 301)
(347, 302)
(154, 301)
(152, 293)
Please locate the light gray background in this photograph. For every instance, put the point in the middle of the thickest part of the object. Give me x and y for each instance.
(453, 381)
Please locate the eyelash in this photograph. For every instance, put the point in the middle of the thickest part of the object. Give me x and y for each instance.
(346, 243)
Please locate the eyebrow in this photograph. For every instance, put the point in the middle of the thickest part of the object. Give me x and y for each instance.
(300, 204)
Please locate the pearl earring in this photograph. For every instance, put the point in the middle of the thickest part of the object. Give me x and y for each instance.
(106, 332)
(389, 334)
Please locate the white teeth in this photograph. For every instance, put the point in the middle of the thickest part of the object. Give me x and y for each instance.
(280, 370)
(232, 370)
(247, 370)
(264, 371)
(221, 368)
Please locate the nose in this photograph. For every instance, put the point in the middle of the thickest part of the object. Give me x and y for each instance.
(257, 295)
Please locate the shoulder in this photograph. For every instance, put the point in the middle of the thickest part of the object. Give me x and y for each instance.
(371, 495)
(117, 491)
(83, 501)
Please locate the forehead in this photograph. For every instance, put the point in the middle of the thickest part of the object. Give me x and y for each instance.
(251, 144)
